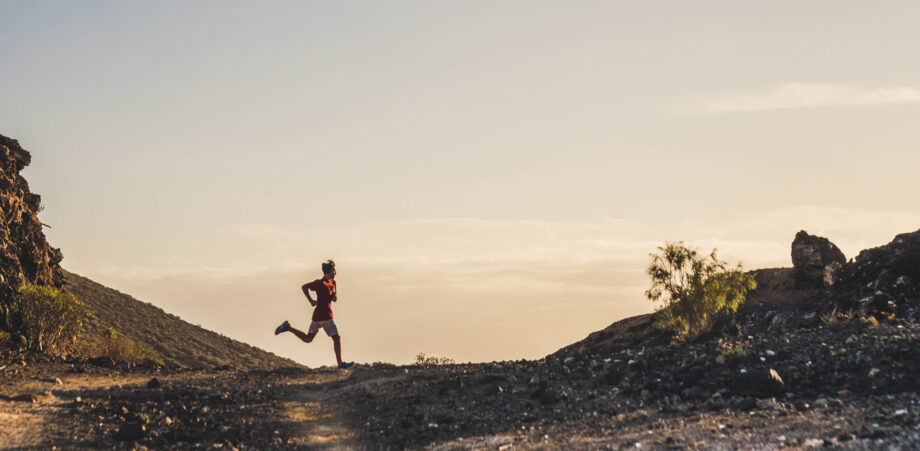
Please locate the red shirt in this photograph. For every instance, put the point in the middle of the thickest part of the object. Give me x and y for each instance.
(325, 296)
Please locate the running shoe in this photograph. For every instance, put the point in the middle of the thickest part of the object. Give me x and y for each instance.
(346, 365)
(284, 327)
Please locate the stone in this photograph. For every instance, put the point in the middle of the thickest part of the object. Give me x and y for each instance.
(130, 432)
(154, 383)
(758, 383)
(815, 261)
(813, 443)
(768, 404)
(103, 361)
(24, 398)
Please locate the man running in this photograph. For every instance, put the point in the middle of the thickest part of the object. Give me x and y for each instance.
(322, 313)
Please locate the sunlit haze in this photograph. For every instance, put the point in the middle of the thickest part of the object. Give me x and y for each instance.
(490, 177)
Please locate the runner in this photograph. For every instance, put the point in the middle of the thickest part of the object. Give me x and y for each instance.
(322, 313)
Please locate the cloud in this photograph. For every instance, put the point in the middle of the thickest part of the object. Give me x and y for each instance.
(803, 95)
(469, 246)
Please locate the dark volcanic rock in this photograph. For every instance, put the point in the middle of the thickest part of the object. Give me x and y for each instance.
(762, 383)
(102, 361)
(25, 256)
(885, 265)
(129, 432)
(815, 260)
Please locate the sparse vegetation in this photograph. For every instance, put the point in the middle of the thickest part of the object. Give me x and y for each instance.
(693, 290)
(178, 342)
(121, 349)
(734, 355)
(422, 359)
(833, 318)
(51, 319)
(868, 322)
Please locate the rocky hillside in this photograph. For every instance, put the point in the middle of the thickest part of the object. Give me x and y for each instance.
(25, 255)
(176, 341)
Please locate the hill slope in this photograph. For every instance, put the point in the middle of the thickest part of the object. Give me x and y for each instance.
(177, 342)
(883, 282)
(775, 290)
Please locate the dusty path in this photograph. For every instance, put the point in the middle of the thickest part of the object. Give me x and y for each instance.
(499, 405)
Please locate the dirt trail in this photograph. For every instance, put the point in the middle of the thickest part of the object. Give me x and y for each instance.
(319, 422)
(524, 405)
(31, 405)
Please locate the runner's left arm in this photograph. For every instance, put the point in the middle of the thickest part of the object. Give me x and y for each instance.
(306, 291)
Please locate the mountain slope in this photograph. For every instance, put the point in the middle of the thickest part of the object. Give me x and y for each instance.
(177, 342)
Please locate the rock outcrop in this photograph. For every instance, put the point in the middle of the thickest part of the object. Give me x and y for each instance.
(883, 266)
(884, 281)
(815, 261)
(25, 255)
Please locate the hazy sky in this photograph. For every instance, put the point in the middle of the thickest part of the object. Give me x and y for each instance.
(489, 176)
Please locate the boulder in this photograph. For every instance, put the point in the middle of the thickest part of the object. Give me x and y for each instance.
(815, 261)
(130, 432)
(760, 383)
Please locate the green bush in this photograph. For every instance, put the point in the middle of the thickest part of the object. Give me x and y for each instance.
(694, 290)
(51, 319)
(422, 359)
(121, 349)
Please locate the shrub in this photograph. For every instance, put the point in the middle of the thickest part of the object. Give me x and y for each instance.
(121, 349)
(422, 359)
(51, 319)
(693, 290)
(734, 355)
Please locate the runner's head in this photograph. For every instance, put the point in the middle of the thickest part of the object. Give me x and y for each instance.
(329, 269)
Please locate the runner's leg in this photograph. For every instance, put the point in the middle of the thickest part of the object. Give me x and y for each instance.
(304, 337)
(337, 345)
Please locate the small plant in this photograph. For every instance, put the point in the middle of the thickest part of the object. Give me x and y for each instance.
(832, 318)
(422, 359)
(694, 290)
(121, 349)
(868, 322)
(51, 318)
(734, 355)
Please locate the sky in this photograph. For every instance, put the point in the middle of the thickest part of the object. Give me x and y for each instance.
(490, 177)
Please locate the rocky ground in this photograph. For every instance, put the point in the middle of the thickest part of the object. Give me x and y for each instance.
(842, 385)
(798, 367)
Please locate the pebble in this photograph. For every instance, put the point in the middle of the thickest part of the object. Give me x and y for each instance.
(813, 443)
